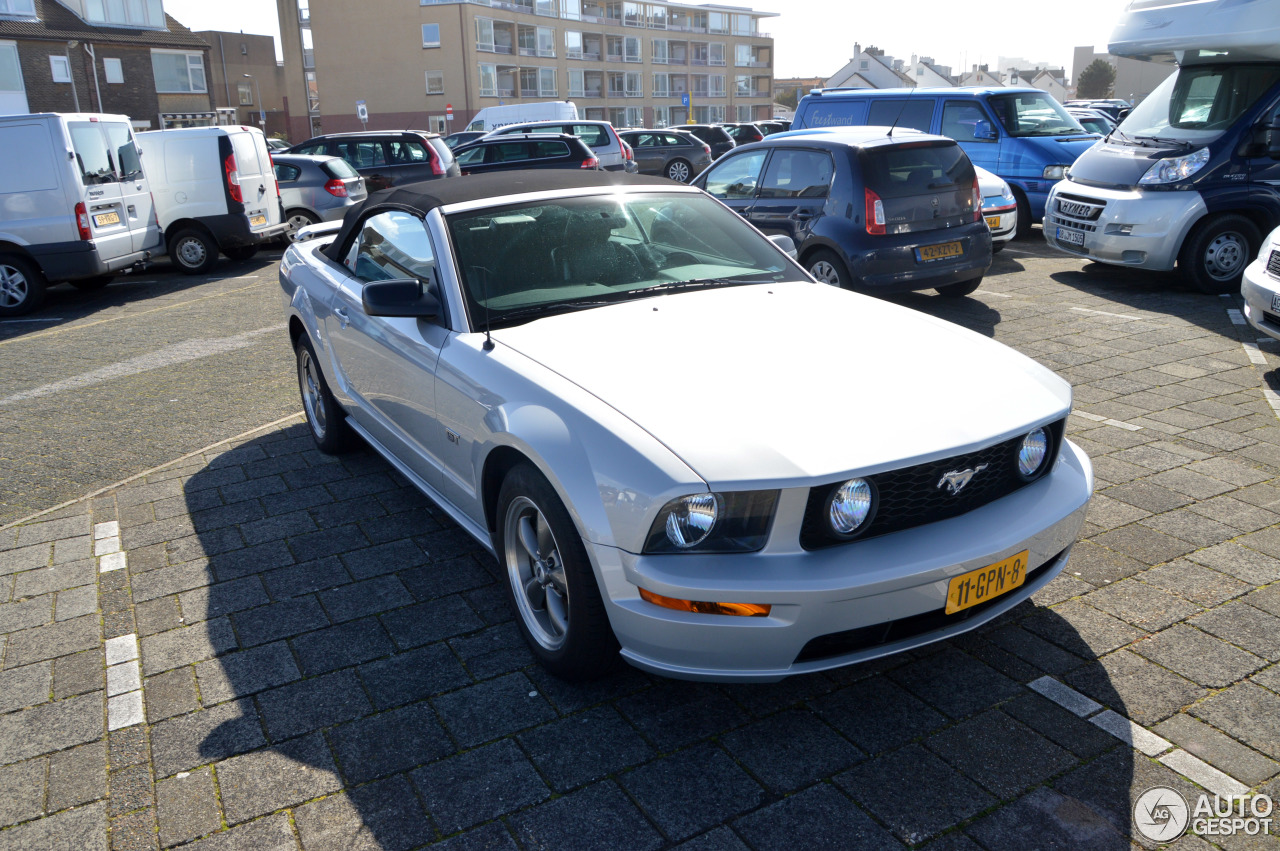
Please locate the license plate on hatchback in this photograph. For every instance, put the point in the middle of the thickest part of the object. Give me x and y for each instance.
(257, 221)
(106, 219)
(925, 253)
(993, 222)
(978, 586)
(1074, 237)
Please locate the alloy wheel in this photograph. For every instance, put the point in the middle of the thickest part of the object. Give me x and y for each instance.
(13, 287)
(536, 573)
(312, 401)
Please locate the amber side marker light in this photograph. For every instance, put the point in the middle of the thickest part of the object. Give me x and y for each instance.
(742, 610)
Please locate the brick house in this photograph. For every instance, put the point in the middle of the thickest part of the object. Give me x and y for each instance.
(103, 56)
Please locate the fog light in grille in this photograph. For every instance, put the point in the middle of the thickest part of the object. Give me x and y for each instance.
(1032, 453)
(743, 610)
(850, 507)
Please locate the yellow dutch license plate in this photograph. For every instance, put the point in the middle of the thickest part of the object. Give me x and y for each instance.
(993, 221)
(938, 252)
(985, 583)
(257, 220)
(107, 219)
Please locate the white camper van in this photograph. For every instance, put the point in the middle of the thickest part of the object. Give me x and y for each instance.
(493, 117)
(75, 205)
(1192, 175)
(215, 190)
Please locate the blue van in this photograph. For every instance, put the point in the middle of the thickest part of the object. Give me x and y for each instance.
(1022, 134)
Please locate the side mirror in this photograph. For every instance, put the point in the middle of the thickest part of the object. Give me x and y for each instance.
(401, 297)
(984, 130)
(786, 243)
(1273, 141)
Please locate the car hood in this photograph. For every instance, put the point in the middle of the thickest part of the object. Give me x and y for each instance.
(1034, 152)
(779, 384)
(1115, 166)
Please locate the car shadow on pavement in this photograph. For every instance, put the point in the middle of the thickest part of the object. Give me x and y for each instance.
(1161, 293)
(970, 313)
(364, 684)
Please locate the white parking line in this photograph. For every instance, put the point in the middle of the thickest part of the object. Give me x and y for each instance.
(1255, 354)
(168, 356)
(1236, 317)
(1116, 315)
(997, 295)
(1085, 415)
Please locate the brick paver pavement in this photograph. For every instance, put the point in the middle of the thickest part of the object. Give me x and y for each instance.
(326, 662)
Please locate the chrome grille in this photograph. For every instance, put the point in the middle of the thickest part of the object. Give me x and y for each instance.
(1273, 264)
(1078, 208)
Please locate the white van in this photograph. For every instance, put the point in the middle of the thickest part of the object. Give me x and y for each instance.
(215, 190)
(493, 117)
(75, 205)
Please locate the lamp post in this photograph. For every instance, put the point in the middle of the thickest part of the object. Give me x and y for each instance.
(71, 74)
(262, 120)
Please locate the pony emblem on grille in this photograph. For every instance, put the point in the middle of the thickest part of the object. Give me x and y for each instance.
(957, 479)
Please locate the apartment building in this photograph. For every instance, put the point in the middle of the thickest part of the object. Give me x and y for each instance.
(245, 80)
(412, 63)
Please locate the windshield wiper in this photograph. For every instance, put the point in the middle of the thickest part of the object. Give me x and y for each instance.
(1163, 141)
(547, 310)
(702, 283)
(1115, 130)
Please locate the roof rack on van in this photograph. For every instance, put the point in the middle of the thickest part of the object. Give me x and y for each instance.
(834, 89)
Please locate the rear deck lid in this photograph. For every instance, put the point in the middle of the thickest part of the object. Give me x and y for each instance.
(922, 185)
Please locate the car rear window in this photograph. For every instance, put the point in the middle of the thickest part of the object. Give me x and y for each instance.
(899, 171)
(340, 169)
(546, 150)
(713, 134)
(92, 157)
(287, 173)
(594, 135)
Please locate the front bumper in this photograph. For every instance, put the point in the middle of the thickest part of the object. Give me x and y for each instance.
(1259, 289)
(1007, 224)
(892, 580)
(1127, 227)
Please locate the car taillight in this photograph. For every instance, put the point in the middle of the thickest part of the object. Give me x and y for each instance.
(706, 147)
(82, 221)
(336, 188)
(627, 153)
(591, 162)
(875, 213)
(436, 168)
(233, 178)
(977, 201)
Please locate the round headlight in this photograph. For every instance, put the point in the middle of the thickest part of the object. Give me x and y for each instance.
(850, 506)
(690, 522)
(1031, 455)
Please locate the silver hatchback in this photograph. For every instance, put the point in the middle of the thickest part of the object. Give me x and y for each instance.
(316, 188)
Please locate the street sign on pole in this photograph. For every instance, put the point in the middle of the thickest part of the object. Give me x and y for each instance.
(448, 112)
(684, 99)
(262, 116)
(362, 112)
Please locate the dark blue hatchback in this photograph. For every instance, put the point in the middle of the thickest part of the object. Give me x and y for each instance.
(866, 210)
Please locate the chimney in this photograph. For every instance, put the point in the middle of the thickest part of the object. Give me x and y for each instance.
(857, 50)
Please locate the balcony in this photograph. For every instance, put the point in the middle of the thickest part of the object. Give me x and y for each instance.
(308, 59)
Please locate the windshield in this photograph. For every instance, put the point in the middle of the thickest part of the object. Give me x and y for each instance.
(524, 261)
(1033, 114)
(1199, 102)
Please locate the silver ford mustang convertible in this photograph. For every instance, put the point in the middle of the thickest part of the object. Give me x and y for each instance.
(679, 447)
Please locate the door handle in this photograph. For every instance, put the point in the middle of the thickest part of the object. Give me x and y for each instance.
(802, 215)
(262, 188)
(343, 319)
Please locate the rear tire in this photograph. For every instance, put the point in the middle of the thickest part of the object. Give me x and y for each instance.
(241, 253)
(827, 268)
(997, 247)
(193, 252)
(325, 417)
(1214, 257)
(961, 289)
(22, 285)
(299, 219)
(550, 583)
(679, 171)
(88, 285)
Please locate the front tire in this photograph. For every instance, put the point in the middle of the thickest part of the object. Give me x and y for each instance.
(325, 418)
(193, 252)
(679, 171)
(1214, 257)
(961, 289)
(22, 285)
(550, 583)
(827, 268)
(1023, 226)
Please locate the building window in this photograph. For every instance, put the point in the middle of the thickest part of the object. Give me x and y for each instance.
(661, 116)
(717, 22)
(18, 7)
(489, 80)
(246, 93)
(178, 73)
(545, 8)
(577, 85)
(634, 116)
(430, 35)
(742, 54)
(742, 85)
(743, 25)
(631, 49)
(657, 17)
(113, 70)
(715, 54)
(571, 9)
(659, 51)
(435, 82)
(715, 86)
(573, 44)
(10, 69)
(244, 49)
(546, 42)
(716, 114)
(547, 82)
(661, 88)
(129, 13)
(864, 64)
(61, 69)
(484, 35)
(635, 88)
(743, 112)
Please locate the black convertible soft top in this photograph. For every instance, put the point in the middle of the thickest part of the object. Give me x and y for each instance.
(427, 195)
